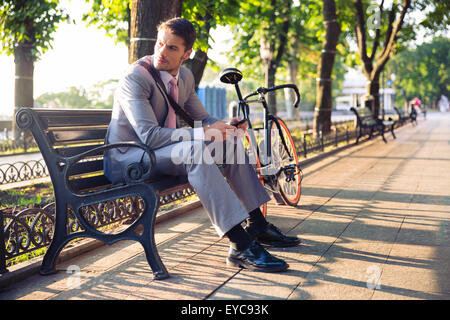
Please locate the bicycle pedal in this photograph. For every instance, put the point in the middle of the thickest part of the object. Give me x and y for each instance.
(289, 171)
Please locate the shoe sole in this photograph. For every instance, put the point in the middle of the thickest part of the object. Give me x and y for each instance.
(280, 244)
(241, 264)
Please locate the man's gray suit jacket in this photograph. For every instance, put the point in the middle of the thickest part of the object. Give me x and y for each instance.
(139, 114)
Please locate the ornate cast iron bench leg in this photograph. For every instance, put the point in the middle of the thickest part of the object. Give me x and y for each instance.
(60, 238)
(147, 240)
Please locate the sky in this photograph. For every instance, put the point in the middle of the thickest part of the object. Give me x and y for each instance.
(81, 56)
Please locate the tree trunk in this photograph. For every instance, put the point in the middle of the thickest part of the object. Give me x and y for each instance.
(322, 115)
(272, 50)
(270, 82)
(373, 65)
(145, 17)
(373, 88)
(23, 89)
(197, 66)
(266, 52)
(198, 63)
(293, 72)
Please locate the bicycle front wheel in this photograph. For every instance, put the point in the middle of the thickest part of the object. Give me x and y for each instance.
(285, 160)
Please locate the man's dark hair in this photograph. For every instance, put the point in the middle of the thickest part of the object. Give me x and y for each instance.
(182, 28)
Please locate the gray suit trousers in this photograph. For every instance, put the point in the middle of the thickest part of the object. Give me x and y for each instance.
(227, 193)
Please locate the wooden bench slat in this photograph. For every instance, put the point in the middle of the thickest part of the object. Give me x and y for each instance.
(51, 118)
(73, 151)
(87, 184)
(86, 167)
(162, 186)
(58, 137)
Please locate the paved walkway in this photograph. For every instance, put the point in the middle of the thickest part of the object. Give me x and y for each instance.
(374, 220)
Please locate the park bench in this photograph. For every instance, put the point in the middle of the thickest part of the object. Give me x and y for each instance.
(72, 145)
(368, 124)
(412, 116)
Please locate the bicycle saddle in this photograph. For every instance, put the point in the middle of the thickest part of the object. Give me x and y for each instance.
(230, 75)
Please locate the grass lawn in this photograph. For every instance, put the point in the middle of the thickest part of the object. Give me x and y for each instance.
(36, 194)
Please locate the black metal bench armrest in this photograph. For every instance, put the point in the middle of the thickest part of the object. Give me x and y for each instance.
(134, 172)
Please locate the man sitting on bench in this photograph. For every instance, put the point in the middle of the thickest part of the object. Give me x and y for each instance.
(142, 113)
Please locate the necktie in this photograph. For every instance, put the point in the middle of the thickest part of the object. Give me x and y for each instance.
(171, 116)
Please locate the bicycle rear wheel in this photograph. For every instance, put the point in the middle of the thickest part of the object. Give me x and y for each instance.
(257, 165)
(289, 176)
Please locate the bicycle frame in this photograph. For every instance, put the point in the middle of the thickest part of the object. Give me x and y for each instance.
(265, 156)
(272, 167)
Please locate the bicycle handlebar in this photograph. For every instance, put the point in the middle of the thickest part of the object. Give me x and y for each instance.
(261, 90)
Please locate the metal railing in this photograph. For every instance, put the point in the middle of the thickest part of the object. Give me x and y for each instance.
(31, 229)
(22, 171)
(317, 142)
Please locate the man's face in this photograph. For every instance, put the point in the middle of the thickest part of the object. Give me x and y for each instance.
(169, 52)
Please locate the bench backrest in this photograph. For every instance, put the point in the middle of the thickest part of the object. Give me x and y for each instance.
(65, 133)
(61, 134)
(364, 116)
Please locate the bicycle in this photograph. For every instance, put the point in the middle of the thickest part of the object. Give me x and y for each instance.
(274, 157)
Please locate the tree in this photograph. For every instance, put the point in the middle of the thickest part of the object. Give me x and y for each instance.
(114, 16)
(322, 115)
(394, 28)
(26, 29)
(438, 18)
(273, 43)
(374, 59)
(261, 30)
(423, 72)
(206, 15)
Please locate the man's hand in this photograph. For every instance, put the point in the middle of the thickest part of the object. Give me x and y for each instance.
(219, 131)
(242, 126)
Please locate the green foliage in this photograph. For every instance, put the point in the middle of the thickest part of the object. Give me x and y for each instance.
(253, 20)
(111, 15)
(256, 21)
(306, 36)
(23, 197)
(206, 15)
(423, 72)
(428, 16)
(29, 22)
(437, 15)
